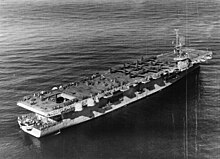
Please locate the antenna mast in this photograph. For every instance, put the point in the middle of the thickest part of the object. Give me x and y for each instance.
(180, 41)
(177, 37)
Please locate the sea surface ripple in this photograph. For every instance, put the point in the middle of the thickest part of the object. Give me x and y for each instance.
(45, 43)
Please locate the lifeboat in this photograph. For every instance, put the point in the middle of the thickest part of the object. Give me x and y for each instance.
(90, 102)
(78, 107)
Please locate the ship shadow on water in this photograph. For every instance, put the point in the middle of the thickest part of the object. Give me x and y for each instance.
(139, 129)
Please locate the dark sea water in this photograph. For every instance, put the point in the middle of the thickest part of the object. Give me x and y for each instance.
(45, 43)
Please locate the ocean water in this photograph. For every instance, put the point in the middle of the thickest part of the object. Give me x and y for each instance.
(45, 43)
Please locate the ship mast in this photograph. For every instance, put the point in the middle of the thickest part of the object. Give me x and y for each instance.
(179, 43)
(177, 37)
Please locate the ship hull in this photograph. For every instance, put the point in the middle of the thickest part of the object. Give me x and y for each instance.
(155, 84)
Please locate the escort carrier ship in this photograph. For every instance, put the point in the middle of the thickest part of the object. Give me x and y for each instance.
(102, 93)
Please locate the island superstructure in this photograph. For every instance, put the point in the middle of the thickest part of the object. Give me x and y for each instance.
(102, 93)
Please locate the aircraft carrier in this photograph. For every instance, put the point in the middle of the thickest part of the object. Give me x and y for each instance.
(102, 93)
